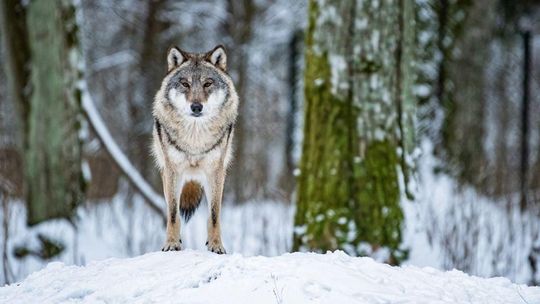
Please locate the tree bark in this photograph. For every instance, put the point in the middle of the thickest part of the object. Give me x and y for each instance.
(239, 29)
(13, 26)
(49, 102)
(152, 68)
(287, 180)
(524, 161)
(358, 132)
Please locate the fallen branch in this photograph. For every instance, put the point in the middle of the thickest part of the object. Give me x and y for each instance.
(154, 200)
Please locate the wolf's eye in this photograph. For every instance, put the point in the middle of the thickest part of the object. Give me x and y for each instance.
(208, 83)
(184, 82)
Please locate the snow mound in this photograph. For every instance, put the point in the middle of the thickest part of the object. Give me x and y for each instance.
(202, 277)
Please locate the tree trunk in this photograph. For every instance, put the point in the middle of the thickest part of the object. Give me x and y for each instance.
(287, 180)
(51, 107)
(239, 28)
(152, 68)
(13, 26)
(358, 128)
(523, 174)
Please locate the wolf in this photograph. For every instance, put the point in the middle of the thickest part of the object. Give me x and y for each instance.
(194, 111)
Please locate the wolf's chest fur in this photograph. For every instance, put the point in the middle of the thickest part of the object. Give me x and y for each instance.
(189, 161)
(192, 145)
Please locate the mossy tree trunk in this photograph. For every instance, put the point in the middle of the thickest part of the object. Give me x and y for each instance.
(51, 103)
(358, 132)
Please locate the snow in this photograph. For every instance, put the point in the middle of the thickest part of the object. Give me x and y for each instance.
(433, 231)
(125, 227)
(202, 277)
(452, 226)
(338, 66)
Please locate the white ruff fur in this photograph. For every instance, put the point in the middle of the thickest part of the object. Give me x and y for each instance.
(195, 129)
(210, 108)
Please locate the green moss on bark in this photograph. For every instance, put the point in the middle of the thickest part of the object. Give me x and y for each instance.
(349, 192)
(378, 214)
(324, 192)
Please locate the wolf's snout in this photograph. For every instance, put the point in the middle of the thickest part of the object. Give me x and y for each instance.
(196, 108)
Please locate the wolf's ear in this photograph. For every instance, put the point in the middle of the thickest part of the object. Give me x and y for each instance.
(218, 57)
(175, 57)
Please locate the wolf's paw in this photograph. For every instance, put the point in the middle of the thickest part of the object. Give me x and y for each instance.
(216, 247)
(172, 246)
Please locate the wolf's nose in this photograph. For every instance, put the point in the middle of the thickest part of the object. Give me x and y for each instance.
(196, 107)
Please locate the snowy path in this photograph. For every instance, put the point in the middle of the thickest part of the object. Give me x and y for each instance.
(202, 277)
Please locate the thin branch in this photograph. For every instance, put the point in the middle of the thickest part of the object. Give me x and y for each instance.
(153, 200)
(521, 296)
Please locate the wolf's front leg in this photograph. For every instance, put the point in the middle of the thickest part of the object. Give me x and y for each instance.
(173, 241)
(213, 242)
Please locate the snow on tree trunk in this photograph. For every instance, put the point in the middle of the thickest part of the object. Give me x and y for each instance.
(358, 131)
(54, 179)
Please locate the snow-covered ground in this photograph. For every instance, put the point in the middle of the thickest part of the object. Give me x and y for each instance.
(443, 230)
(124, 228)
(202, 277)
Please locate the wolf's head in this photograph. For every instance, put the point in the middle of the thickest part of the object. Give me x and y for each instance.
(197, 84)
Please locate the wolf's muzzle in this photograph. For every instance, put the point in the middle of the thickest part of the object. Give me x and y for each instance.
(196, 108)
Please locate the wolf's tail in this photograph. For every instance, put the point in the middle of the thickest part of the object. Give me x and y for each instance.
(190, 199)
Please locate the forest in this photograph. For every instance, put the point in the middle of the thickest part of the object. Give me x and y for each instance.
(407, 131)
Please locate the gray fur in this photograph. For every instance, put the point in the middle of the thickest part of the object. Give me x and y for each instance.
(194, 146)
